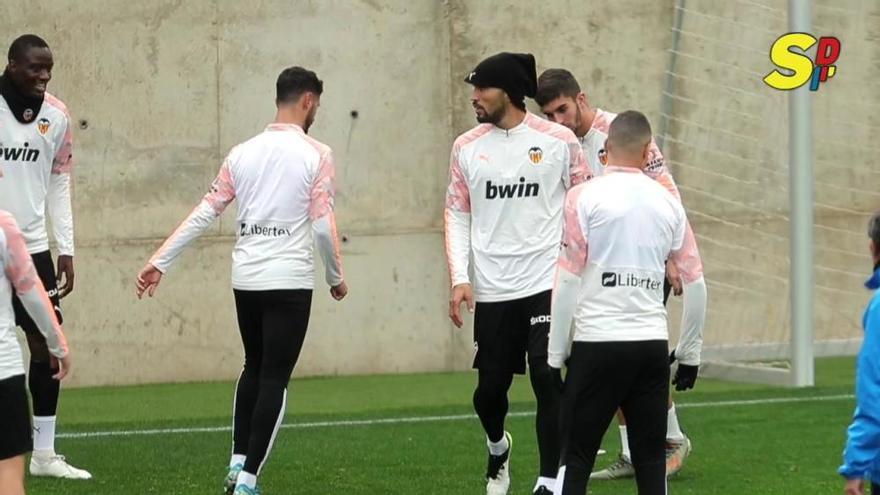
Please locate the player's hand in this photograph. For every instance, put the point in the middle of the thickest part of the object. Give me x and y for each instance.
(556, 375)
(460, 293)
(148, 280)
(674, 277)
(339, 291)
(854, 486)
(65, 268)
(62, 365)
(685, 375)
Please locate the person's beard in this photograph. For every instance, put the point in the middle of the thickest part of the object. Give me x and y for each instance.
(491, 117)
(310, 119)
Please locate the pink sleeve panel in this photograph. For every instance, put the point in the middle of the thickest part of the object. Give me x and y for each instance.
(458, 195)
(687, 259)
(573, 255)
(63, 161)
(20, 270)
(222, 190)
(23, 275)
(323, 188)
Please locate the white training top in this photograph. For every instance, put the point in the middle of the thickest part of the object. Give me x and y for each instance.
(284, 182)
(687, 260)
(17, 273)
(619, 230)
(504, 205)
(36, 162)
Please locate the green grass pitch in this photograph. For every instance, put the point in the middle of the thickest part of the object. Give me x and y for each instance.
(414, 434)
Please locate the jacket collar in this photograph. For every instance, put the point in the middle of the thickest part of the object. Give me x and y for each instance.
(873, 283)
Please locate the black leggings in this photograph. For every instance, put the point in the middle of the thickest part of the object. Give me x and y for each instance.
(490, 403)
(273, 327)
(603, 376)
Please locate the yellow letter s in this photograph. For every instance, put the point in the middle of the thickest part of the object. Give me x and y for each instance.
(782, 56)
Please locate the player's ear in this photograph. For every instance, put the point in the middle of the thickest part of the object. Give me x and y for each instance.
(603, 154)
(646, 152)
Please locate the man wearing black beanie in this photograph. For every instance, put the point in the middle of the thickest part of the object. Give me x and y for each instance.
(504, 205)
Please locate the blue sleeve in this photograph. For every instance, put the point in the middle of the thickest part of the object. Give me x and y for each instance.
(863, 436)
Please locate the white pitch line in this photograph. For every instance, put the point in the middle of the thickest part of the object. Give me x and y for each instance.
(429, 419)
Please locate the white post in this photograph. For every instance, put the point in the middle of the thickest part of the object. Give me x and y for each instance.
(801, 197)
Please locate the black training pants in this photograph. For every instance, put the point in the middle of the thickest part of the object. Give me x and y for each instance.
(273, 327)
(601, 377)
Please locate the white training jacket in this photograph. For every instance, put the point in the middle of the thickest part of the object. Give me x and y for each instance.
(504, 206)
(36, 162)
(284, 183)
(619, 231)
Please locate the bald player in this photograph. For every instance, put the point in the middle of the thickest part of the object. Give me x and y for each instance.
(562, 101)
(608, 310)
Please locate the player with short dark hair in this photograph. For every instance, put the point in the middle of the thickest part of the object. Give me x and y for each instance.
(619, 231)
(36, 159)
(284, 183)
(563, 101)
(508, 178)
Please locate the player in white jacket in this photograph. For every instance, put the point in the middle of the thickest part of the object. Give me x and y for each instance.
(608, 310)
(284, 183)
(563, 101)
(508, 178)
(36, 158)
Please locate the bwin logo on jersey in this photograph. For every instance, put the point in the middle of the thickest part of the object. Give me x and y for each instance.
(540, 319)
(521, 190)
(24, 154)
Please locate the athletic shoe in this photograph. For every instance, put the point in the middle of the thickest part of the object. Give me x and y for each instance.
(231, 478)
(55, 466)
(621, 468)
(542, 490)
(245, 490)
(497, 473)
(676, 453)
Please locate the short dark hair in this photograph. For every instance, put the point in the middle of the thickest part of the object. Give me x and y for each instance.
(21, 44)
(293, 82)
(554, 83)
(630, 131)
(874, 228)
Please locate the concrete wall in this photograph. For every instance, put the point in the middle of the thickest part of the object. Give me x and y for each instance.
(167, 87)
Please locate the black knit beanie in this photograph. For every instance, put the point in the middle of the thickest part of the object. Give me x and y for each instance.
(513, 72)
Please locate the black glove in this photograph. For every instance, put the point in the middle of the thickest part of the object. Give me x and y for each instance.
(685, 374)
(556, 376)
(685, 377)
